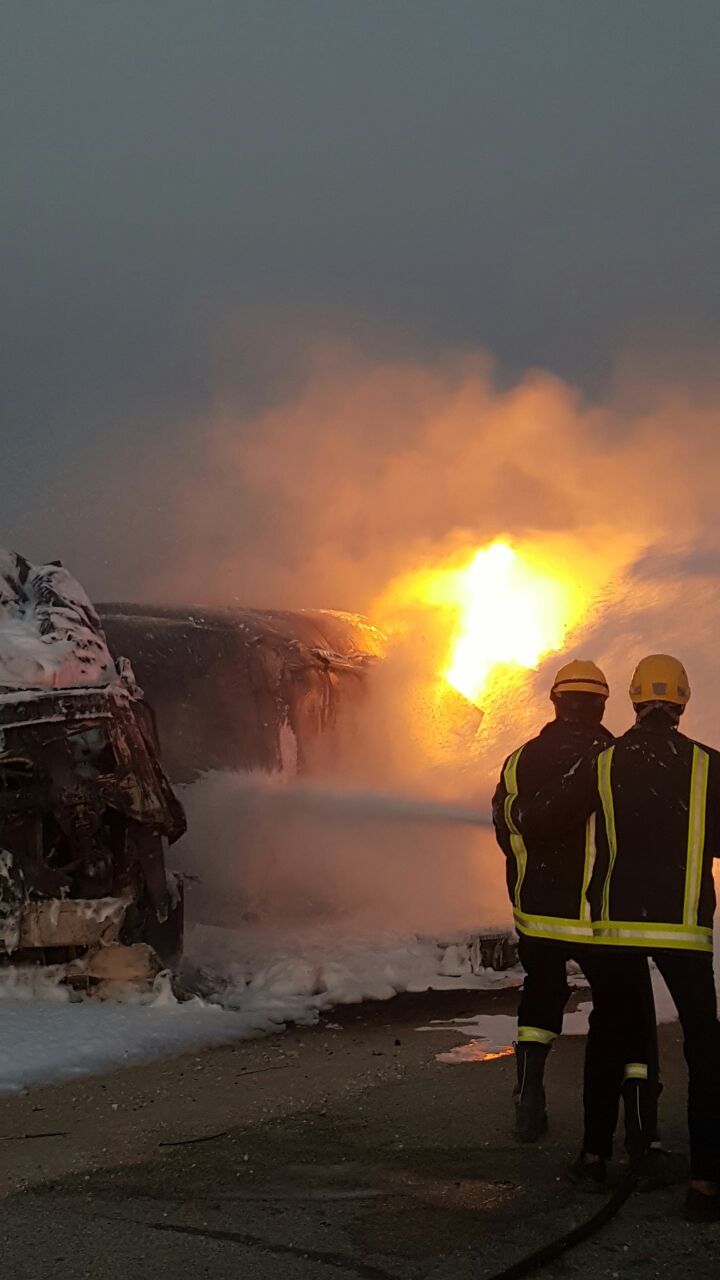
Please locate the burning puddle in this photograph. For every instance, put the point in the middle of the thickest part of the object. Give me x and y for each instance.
(491, 1036)
(475, 1051)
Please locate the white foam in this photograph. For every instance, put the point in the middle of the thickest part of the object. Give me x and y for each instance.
(50, 636)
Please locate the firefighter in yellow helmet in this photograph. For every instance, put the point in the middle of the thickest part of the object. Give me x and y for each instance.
(547, 879)
(656, 797)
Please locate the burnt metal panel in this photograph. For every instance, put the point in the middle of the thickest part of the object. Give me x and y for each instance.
(225, 682)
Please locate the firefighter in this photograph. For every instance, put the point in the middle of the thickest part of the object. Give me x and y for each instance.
(656, 797)
(547, 880)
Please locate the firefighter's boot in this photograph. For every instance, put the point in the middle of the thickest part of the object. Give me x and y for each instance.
(654, 1166)
(529, 1095)
(640, 1117)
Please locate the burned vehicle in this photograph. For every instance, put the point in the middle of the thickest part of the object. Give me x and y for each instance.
(246, 689)
(86, 811)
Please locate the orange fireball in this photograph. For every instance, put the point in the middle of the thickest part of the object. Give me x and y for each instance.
(500, 609)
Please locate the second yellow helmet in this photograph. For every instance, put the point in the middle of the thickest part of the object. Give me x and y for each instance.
(660, 678)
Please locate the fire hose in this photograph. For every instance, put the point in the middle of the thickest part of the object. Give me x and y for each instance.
(404, 808)
(562, 1244)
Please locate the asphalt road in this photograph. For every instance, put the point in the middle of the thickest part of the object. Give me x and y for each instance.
(344, 1150)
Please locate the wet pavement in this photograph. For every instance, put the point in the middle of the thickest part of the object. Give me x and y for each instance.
(346, 1149)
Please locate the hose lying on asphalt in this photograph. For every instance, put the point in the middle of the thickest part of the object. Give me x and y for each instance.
(540, 1257)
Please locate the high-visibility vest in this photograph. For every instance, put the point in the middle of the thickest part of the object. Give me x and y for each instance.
(548, 879)
(652, 883)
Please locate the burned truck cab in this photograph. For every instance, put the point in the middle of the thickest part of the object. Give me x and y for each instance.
(86, 811)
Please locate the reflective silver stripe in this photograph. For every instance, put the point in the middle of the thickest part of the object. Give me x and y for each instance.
(605, 789)
(516, 841)
(590, 853)
(696, 834)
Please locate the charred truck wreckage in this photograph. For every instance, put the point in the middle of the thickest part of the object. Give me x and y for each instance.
(87, 810)
(244, 689)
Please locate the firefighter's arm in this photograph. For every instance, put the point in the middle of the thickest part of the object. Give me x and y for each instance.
(562, 804)
(502, 834)
(712, 821)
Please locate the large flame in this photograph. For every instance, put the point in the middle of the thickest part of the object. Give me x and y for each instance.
(503, 609)
(511, 613)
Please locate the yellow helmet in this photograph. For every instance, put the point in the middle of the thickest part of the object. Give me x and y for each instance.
(660, 678)
(580, 677)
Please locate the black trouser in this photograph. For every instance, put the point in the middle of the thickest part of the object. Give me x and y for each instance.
(624, 1032)
(690, 980)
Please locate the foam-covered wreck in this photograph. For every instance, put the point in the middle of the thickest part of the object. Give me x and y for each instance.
(244, 689)
(85, 807)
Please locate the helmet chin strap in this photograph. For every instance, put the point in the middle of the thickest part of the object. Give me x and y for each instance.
(671, 709)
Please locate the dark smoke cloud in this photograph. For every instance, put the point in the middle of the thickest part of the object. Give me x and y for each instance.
(536, 180)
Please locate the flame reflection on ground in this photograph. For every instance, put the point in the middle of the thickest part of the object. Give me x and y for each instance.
(475, 1051)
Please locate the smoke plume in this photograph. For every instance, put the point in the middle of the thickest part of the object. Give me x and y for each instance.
(375, 470)
(369, 470)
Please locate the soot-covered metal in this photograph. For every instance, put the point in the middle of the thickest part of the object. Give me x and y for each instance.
(242, 688)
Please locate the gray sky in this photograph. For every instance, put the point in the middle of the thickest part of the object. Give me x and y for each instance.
(539, 178)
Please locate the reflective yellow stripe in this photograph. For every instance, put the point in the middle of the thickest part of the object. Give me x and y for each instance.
(636, 1071)
(590, 852)
(511, 789)
(628, 933)
(555, 927)
(605, 789)
(658, 926)
(664, 944)
(696, 834)
(568, 920)
(535, 1035)
(516, 841)
(518, 848)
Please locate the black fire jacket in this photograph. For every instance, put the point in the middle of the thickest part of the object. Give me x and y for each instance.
(656, 796)
(548, 871)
